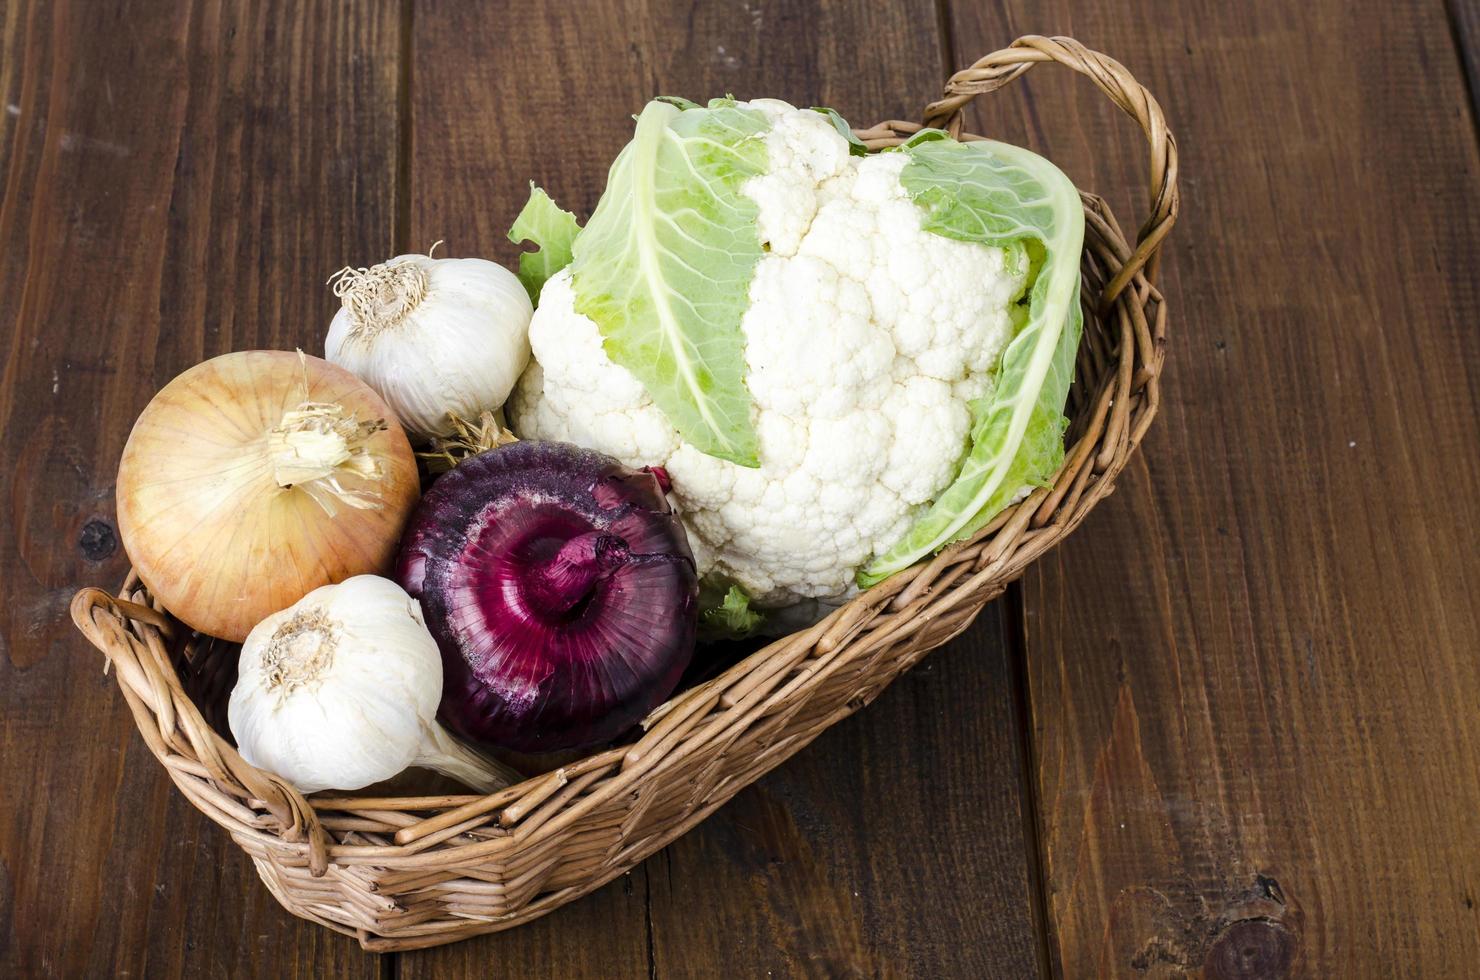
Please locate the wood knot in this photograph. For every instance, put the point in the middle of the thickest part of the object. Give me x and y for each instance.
(1250, 949)
(98, 540)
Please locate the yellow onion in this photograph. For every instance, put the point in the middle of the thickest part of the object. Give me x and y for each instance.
(254, 478)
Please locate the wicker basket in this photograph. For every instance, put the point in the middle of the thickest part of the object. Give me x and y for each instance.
(402, 873)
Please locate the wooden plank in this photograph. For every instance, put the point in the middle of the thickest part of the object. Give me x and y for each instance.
(1253, 679)
(177, 183)
(500, 96)
(892, 846)
(828, 864)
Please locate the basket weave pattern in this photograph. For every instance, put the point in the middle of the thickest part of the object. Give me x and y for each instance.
(402, 873)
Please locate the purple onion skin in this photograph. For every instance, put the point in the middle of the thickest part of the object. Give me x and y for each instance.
(561, 590)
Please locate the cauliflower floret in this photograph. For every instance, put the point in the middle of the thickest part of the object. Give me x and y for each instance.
(800, 160)
(864, 337)
(583, 397)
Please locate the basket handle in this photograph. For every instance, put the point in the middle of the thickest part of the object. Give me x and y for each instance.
(1001, 67)
(170, 722)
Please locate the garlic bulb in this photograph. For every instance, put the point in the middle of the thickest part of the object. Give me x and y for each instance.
(435, 337)
(340, 690)
(257, 476)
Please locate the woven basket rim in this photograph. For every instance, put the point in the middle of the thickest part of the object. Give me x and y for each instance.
(867, 642)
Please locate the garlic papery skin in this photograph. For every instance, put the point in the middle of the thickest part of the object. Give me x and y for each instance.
(340, 690)
(435, 338)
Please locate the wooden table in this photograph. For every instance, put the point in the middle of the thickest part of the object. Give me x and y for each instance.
(1233, 726)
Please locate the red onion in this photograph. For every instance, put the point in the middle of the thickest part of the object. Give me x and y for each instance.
(561, 590)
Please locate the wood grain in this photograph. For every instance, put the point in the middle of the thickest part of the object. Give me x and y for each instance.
(177, 183)
(1253, 679)
(893, 846)
(805, 873)
(1250, 678)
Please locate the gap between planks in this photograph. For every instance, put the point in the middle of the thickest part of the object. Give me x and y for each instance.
(1015, 607)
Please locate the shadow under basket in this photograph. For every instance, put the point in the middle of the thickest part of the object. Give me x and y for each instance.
(408, 872)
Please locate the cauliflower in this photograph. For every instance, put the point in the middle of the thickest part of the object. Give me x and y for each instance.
(866, 337)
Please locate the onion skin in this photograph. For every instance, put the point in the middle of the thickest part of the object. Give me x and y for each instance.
(203, 519)
(561, 590)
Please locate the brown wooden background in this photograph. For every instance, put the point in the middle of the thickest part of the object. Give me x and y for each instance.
(1231, 729)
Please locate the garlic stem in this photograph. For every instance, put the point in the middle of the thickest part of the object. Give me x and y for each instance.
(467, 439)
(443, 753)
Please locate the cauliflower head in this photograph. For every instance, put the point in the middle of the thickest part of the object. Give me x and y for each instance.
(866, 339)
